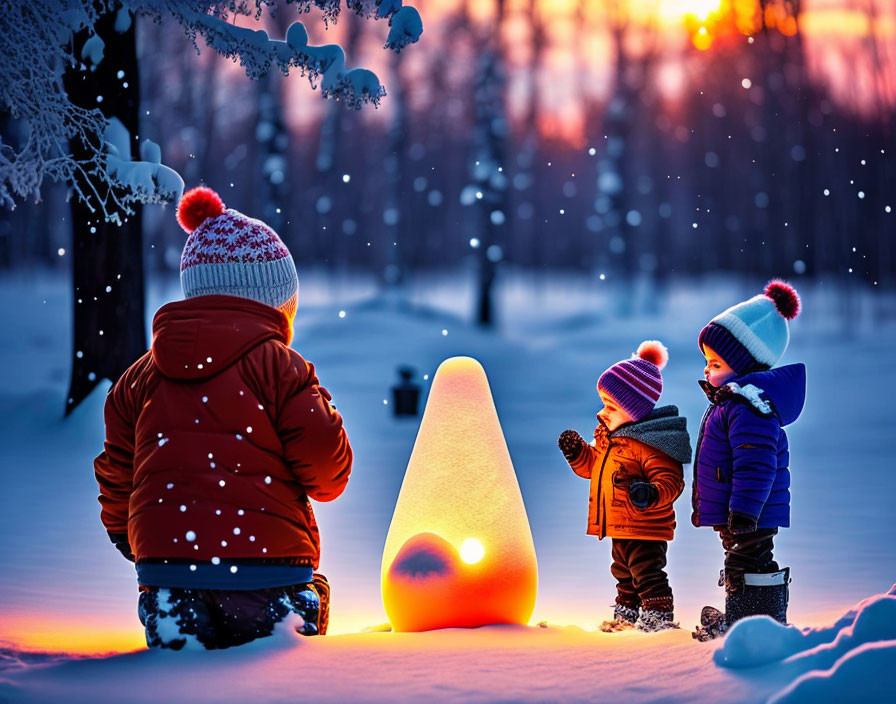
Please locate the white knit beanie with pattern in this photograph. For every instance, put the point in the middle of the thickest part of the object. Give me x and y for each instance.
(231, 254)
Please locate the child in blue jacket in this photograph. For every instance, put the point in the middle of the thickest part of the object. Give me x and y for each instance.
(741, 468)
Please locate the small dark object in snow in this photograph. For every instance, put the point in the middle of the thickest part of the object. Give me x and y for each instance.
(406, 394)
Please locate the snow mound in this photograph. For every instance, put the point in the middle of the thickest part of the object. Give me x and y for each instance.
(859, 671)
(758, 640)
(837, 660)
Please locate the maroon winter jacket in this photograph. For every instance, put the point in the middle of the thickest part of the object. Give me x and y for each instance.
(217, 437)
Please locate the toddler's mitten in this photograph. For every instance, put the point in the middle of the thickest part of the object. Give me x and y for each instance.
(643, 494)
(741, 522)
(120, 541)
(571, 444)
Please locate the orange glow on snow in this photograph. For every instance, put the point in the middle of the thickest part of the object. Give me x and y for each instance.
(459, 552)
(66, 633)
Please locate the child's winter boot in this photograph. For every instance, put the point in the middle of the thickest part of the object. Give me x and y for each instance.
(656, 615)
(311, 601)
(765, 594)
(761, 594)
(624, 618)
(322, 587)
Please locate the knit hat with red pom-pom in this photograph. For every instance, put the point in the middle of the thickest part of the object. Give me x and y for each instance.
(636, 383)
(754, 334)
(231, 254)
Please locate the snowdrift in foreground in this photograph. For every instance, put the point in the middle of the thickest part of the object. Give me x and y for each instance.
(489, 664)
(853, 655)
(849, 661)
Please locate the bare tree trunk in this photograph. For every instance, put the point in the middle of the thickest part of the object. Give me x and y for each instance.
(208, 117)
(396, 169)
(273, 147)
(613, 167)
(273, 140)
(527, 160)
(109, 330)
(489, 169)
(806, 185)
(879, 68)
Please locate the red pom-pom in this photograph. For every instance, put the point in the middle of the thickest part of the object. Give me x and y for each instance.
(654, 351)
(785, 297)
(198, 205)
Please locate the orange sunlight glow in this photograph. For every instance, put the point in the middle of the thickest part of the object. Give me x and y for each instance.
(724, 19)
(675, 10)
(702, 39)
(72, 633)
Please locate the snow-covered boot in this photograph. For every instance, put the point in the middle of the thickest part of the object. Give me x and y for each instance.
(760, 594)
(656, 615)
(624, 618)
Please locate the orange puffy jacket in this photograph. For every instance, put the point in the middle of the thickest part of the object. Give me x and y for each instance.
(217, 437)
(617, 459)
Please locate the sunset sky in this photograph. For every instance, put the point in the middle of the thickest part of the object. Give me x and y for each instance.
(577, 59)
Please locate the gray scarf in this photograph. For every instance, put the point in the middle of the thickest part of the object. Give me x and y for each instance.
(662, 429)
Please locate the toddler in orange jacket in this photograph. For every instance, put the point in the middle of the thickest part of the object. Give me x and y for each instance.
(635, 468)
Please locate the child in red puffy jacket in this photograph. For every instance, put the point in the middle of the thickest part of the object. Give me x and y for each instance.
(215, 441)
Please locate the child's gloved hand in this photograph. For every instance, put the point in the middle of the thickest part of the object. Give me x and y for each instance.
(741, 523)
(571, 444)
(643, 494)
(120, 541)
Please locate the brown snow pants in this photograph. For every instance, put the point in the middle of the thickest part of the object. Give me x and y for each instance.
(746, 552)
(639, 569)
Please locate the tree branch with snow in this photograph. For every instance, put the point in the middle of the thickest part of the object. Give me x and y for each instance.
(36, 48)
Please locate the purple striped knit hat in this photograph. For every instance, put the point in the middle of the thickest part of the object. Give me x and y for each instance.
(636, 383)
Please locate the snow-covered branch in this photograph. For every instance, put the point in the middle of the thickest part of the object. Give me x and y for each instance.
(36, 47)
(147, 179)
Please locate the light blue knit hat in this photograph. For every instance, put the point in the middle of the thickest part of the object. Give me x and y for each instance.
(755, 332)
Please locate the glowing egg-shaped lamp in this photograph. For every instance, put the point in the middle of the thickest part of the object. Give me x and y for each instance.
(459, 552)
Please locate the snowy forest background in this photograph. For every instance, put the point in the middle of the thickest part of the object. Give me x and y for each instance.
(629, 142)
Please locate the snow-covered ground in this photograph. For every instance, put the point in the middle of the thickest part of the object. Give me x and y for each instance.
(763, 661)
(64, 588)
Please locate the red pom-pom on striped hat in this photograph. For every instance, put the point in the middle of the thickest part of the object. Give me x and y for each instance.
(654, 352)
(785, 298)
(198, 205)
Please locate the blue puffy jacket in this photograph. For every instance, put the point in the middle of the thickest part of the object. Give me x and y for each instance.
(742, 456)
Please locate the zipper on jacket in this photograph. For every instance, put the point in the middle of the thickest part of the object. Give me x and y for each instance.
(695, 502)
(600, 478)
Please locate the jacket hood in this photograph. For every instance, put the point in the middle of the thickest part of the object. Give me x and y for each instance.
(784, 388)
(664, 430)
(198, 337)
